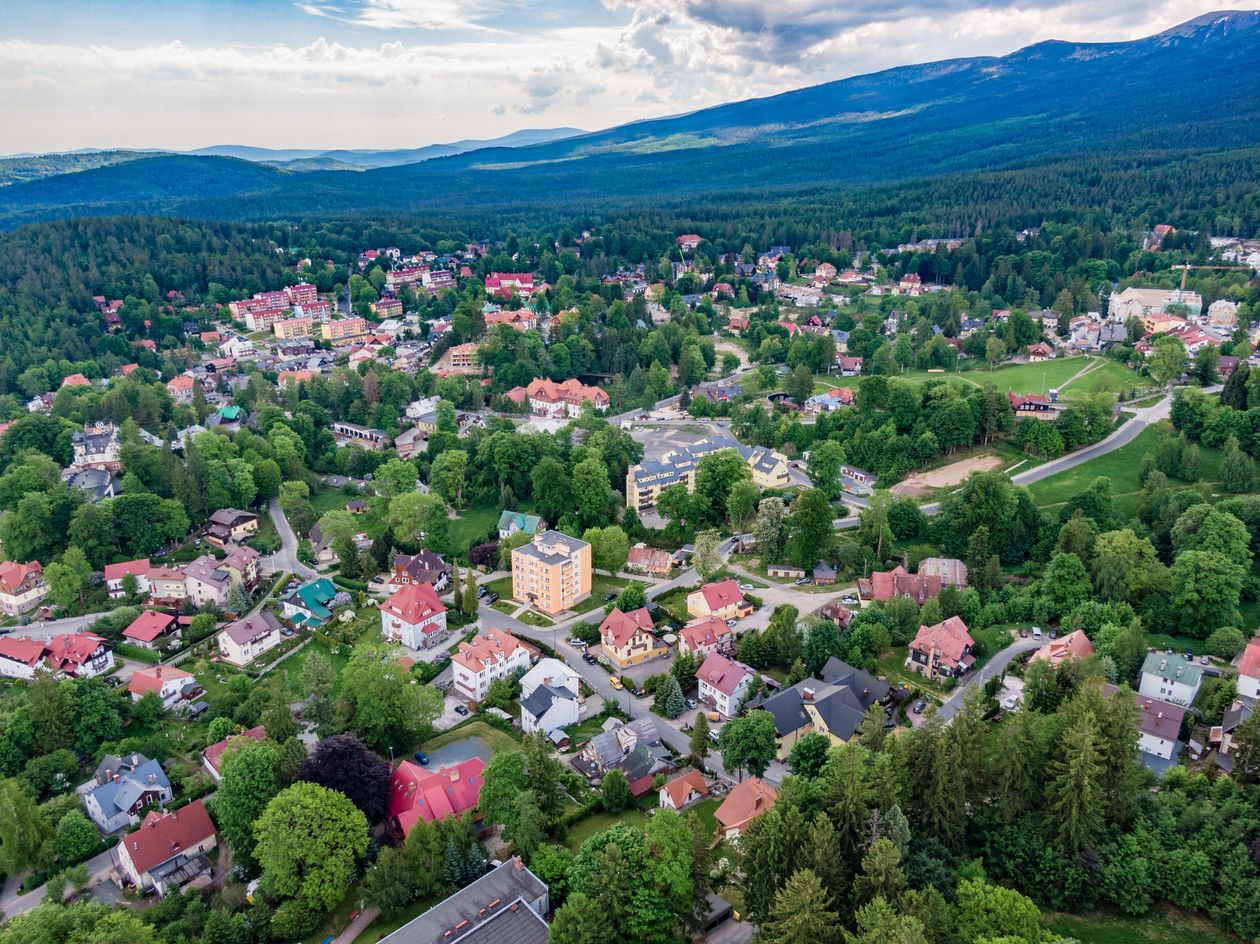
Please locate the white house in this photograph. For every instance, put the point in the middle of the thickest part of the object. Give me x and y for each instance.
(168, 849)
(242, 642)
(1169, 677)
(171, 685)
(550, 697)
(122, 788)
(414, 616)
(1249, 671)
(493, 654)
(722, 683)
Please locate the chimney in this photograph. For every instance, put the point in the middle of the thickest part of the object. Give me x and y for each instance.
(519, 863)
(807, 694)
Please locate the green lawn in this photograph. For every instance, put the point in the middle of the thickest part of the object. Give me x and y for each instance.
(1021, 378)
(472, 527)
(706, 810)
(601, 586)
(530, 618)
(1120, 465)
(498, 741)
(597, 822)
(1165, 925)
(331, 499)
(1111, 377)
(291, 669)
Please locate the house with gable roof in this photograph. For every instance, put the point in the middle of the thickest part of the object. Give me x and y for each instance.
(942, 651)
(310, 604)
(627, 639)
(417, 794)
(723, 683)
(723, 599)
(414, 617)
(169, 850)
(121, 789)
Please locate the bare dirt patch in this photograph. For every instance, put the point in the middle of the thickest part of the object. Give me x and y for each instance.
(947, 476)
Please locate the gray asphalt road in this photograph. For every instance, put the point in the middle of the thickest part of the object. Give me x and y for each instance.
(991, 669)
(11, 903)
(285, 559)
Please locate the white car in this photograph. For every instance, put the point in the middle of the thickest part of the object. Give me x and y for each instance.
(746, 586)
(730, 622)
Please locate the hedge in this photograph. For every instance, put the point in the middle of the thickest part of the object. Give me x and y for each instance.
(138, 653)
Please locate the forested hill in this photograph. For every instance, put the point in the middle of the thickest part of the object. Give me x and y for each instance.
(1189, 90)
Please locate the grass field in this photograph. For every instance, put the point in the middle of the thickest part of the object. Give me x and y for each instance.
(1110, 377)
(1121, 466)
(471, 527)
(598, 822)
(1021, 378)
(1162, 926)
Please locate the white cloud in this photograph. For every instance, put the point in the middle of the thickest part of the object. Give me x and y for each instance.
(655, 57)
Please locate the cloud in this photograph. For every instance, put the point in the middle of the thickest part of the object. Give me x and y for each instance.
(496, 58)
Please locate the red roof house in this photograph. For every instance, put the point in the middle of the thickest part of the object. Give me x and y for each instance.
(212, 756)
(416, 793)
(942, 651)
(746, 801)
(723, 600)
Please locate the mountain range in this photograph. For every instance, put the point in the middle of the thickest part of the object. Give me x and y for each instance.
(1190, 90)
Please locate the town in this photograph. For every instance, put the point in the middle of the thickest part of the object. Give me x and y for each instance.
(491, 594)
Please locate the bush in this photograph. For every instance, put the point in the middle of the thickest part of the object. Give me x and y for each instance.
(1226, 642)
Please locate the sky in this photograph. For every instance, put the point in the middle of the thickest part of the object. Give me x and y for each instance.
(184, 74)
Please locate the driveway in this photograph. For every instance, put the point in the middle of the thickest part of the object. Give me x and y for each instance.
(991, 669)
(285, 559)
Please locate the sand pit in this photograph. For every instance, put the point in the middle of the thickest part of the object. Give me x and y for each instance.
(947, 476)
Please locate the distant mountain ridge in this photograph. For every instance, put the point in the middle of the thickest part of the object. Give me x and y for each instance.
(22, 168)
(1192, 89)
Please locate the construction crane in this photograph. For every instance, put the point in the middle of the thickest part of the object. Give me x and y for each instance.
(1185, 270)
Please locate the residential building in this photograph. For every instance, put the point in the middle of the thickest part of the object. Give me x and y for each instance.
(290, 328)
(343, 330)
(115, 574)
(206, 582)
(167, 585)
(153, 627)
(1170, 677)
(231, 526)
(1222, 736)
(747, 800)
(171, 685)
(687, 242)
(506, 284)
(414, 617)
(1039, 352)
(505, 906)
(22, 587)
(706, 635)
(723, 683)
(96, 447)
(646, 481)
(243, 641)
(942, 651)
(463, 357)
(634, 748)
(212, 756)
(1249, 671)
(511, 522)
(241, 563)
(883, 585)
(649, 560)
(551, 699)
(566, 398)
(683, 791)
(1159, 729)
(552, 573)
(421, 567)
(493, 654)
(832, 705)
(1074, 645)
(73, 655)
(121, 789)
(169, 849)
(723, 599)
(627, 638)
(417, 794)
(310, 605)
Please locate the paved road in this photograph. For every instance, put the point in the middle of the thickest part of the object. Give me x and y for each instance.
(994, 667)
(11, 903)
(50, 628)
(285, 559)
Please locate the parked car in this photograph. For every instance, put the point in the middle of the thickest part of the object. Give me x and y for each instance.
(746, 586)
(482, 591)
(492, 597)
(609, 596)
(422, 758)
(1023, 634)
(1036, 632)
(803, 581)
(730, 622)
(589, 659)
(1205, 660)
(286, 631)
(713, 735)
(691, 703)
(615, 682)
(1054, 634)
(848, 599)
(918, 706)
(461, 710)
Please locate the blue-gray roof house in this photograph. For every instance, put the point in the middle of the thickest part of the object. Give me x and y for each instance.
(122, 789)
